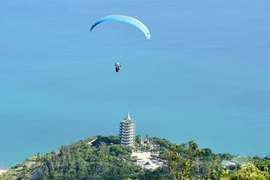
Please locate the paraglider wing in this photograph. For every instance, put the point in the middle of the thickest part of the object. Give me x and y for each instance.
(126, 19)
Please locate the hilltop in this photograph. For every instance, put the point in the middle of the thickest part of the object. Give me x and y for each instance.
(103, 158)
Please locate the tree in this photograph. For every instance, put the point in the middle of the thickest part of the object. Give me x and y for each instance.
(182, 167)
(200, 153)
(251, 172)
(173, 161)
(138, 139)
(38, 156)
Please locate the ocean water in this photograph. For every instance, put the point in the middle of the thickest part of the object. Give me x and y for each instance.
(204, 75)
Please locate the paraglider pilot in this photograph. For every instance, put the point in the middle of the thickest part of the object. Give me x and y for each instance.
(117, 66)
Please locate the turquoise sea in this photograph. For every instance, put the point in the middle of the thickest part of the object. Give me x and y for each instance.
(204, 75)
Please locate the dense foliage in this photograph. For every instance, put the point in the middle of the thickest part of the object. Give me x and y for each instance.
(195, 164)
(102, 158)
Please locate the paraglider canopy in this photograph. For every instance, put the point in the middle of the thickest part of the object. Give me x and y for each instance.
(117, 66)
(126, 19)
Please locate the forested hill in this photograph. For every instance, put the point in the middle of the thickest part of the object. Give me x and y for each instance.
(103, 158)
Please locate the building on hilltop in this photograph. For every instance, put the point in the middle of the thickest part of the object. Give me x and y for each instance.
(127, 131)
(267, 157)
(234, 162)
(146, 144)
(145, 141)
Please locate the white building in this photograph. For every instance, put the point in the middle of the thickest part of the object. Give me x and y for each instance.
(127, 131)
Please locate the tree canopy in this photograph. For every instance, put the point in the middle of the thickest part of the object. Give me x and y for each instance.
(102, 158)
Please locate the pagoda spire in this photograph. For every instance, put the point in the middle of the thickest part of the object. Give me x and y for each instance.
(128, 116)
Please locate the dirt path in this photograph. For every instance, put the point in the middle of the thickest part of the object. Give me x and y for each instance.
(2, 171)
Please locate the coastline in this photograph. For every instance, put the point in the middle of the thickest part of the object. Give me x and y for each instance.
(2, 171)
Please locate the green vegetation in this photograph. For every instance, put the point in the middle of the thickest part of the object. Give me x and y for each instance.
(103, 158)
(196, 164)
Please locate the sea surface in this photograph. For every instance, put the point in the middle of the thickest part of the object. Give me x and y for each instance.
(203, 76)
